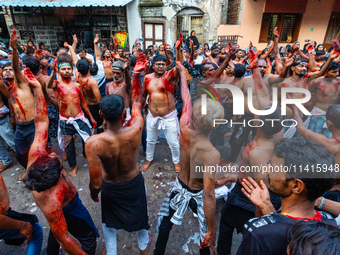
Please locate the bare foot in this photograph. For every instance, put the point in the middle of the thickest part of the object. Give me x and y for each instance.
(146, 165)
(73, 173)
(4, 167)
(177, 168)
(23, 175)
(147, 248)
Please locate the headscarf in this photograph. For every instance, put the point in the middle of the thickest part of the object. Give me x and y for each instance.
(280, 48)
(194, 39)
(323, 47)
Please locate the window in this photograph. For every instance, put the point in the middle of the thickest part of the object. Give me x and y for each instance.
(333, 30)
(287, 24)
(153, 34)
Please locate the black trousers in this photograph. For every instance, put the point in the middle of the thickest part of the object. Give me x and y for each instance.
(231, 217)
(68, 129)
(166, 226)
(80, 230)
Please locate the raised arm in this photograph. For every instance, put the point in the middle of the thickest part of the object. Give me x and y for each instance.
(136, 97)
(287, 65)
(178, 48)
(40, 119)
(278, 63)
(15, 59)
(219, 71)
(73, 54)
(311, 60)
(75, 41)
(96, 49)
(261, 90)
(266, 55)
(4, 90)
(50, 84)
(192, 51)
(325, 67)
(186, 99)
(166, 54)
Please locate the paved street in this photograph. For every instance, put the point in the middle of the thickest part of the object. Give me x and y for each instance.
(183, 239)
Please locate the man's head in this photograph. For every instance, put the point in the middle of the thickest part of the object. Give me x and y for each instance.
(333, 70)
(269, 128)
(262, 66)
(33, 64)
(155, 48)
(120, 51)
(239, 54)
(30, 43)
(8, 72)
(112, 109)
(207, 70)
(159, 64)
(107, 53)
(239, 70)
(94, 69)
(82, 53)
(319, 54)
(41, 45)
(61, 50)
(168, 47)
(126, 51)
(200, 50)
(83, 66)
(301, 153)
(117, 71)
(299, 68)
(205, 123)
(44, 173)
(214, 51)
(65, 65)
(333, 118)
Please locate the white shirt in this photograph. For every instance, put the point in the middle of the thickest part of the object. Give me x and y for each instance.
(88, 56)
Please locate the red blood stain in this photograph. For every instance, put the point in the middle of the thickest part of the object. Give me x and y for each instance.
(18, 103)
(66, 80)
(29, 75)
(140, 128)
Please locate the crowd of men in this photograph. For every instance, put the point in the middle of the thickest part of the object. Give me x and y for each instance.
(116, 100)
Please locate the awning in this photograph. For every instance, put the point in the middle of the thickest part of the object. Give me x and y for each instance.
(64, 3)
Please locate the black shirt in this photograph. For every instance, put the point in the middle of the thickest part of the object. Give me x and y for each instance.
(269, 234)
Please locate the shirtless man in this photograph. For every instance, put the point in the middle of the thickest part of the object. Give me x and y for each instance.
(22, 102)
(298, 79)
(196, 150)
(107, 63)
(6, 130)
(88, 85)
(71, 102)
(52, 104)
(160, 87)
(238, 209)
(121, 85)
(54, 194)
(114, 170)
(19, 230)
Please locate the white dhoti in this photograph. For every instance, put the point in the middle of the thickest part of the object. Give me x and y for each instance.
(170, 126)
(72, 121)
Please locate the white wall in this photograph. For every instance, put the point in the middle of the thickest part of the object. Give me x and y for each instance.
(133, 22)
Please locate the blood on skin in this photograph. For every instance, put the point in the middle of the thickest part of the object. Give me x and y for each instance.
(66, 80)
(18, 103)
(28, 73)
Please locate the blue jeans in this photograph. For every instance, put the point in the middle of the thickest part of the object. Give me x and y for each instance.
(34, 246)
(6, 135)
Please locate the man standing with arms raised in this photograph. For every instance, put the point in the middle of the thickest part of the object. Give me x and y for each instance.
(160, 87)
(71, 101)
(112, 157)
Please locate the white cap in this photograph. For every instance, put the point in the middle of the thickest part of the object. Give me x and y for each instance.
(4, 54)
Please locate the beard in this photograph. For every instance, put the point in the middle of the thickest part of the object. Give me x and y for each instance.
(116, 79)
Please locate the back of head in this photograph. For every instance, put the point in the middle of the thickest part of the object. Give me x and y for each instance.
(44, 173)
(83, 66)
(239, 70)
(205, 123)
(320, 53)
(94, 69)
(333, 115)
(214, 47)
(33, 64)
(159, 57)
(225, 153)
(112, 107)
(64, 58)
(302, 152)
(314, 238)
(270, 128)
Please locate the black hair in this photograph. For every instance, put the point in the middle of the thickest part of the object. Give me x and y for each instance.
(112, 107)
(64, 58)
(323, 59)
(159, 57)
(320, 53)
(271, 128)
(6, 64)
(313, 238)
(302, 152)
(94, 69)
(238, 50)
(44, 173)
(126, 49)
(47, 49)
(83, 66)
(296, 62)
(207, 45)
(62, 48)
(90, 51)
(170, 53)
(289, 48)
(41, 44)
(82, 49)
(150, 46)
(77, 51)
(202, 67)
(214, 47)
(239, 70)
(33, 64)
(225, 153)
(333, 115)
(119, 47)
